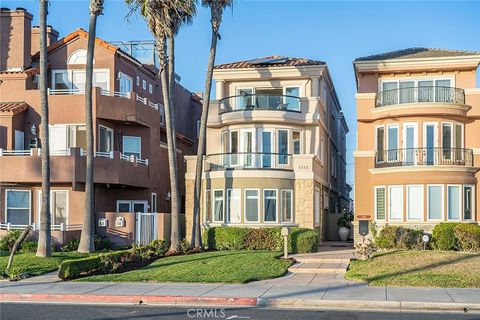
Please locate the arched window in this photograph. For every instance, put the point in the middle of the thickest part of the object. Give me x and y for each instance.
(78, 57)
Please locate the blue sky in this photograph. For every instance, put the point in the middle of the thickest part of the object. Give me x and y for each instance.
(333, 31)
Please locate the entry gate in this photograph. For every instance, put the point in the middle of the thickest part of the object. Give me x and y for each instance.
(146, 227)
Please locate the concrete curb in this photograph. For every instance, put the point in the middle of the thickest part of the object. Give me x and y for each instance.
(123, 299)
(370, 305)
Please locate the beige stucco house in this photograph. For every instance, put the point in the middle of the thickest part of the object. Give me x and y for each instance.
(275, 153)
(418, 144)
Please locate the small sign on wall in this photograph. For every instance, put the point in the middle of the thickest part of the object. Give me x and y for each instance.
(102, 222)
(120, 222)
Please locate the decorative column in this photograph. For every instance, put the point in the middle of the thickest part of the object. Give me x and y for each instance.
(219, 89)
(315, 86)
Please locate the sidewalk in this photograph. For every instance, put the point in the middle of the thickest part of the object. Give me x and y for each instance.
(325, 291)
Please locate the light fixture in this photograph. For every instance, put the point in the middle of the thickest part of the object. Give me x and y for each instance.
(168, 196)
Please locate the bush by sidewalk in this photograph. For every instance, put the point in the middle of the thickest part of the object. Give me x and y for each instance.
(301, 240)
(468, 237)
(443, 236)
(113, 262)
(395, 237)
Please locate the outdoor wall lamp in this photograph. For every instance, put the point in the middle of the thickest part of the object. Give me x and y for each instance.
(168, 196)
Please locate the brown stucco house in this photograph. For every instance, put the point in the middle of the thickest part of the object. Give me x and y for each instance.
(131, 173)
(418, 146)
(275, 153)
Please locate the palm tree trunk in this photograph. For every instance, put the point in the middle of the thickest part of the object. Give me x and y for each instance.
(87, 243)
(172, 150)
(44, 235)
(196, 229)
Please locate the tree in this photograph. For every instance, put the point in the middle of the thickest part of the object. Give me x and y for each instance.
(164, 19)
(44, 234)
(216, 12)
(17, 245)
(87, 243)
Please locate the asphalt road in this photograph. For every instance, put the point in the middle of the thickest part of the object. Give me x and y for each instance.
(35, 311)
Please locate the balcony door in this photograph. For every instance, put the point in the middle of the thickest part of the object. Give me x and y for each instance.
(430, 142)
(410, 143)
(267, 148)
(248, 147)
(392, 142)
(58, 139)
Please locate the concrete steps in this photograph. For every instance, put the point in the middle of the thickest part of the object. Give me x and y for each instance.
(327, 261)
(330, 268)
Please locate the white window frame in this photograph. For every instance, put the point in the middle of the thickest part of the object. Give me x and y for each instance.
(132, 203)
(150, 88)
(273, 145)
(130, 79)
(134, 137)
(415, 80)
(276, 206)
(144, 84)
(300, 94)
(227, 205)
(290, 191)
(154, 201)
(208, 194)
(29, 208)
(408, 199)
(387, 137)
(236, 155)
(39, 203)
(389, 203)
(300, 140)
(460, 204)
(443, 202)
(245, 205)
(113, 136)
(75, 53)
(70, 75)
(375, 202)
(472, 204)
(213, 205)
(242, 149)
(138, 81)
(376, 142)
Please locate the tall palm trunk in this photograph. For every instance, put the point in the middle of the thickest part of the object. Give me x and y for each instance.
(87, 243)
(44, 236)
(172, 150)
(196, 229)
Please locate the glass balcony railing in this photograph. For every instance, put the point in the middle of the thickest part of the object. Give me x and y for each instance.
(424, 157)
(259, 102)
(248, 160)
(426, 94)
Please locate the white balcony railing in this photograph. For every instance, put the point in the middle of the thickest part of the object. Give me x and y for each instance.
(103, 154)
(64, 152)
(142, 100)
(118, 94)
(53, 227)
(62, 92)
(153, 105)
(4, 152)
(132, 158)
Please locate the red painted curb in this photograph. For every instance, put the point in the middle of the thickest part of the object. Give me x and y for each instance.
(92, 298)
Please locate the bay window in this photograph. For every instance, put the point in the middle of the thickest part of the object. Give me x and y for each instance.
(297, 143)
(282, 146)
(454, 198)
(218, 207)
(435, 202)
(468, 202)
(287, 205)
(251, 205)
(415, 202)
(233, 205)
(269, 205)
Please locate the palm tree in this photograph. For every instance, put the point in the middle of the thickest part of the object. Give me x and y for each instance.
(87, 243)
(216, 12)
(164, 19)
(44, 234)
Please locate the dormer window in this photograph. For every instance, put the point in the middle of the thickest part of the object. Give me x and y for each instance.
(78, 57)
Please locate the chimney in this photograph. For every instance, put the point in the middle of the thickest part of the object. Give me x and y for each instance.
(52, 37)
(15, 39)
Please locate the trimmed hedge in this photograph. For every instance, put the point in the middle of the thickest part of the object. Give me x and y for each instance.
(443, 236)
(301, 240)
(468, 237)
(395, 237)
(113, 262)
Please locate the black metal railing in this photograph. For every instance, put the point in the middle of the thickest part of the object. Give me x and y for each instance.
(425, 94)
(424, 157)
(246, 102)
(248, 160)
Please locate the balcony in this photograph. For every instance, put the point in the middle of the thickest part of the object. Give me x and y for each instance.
(248, 161)
(424, 157)
(250, 102)
(426, 94)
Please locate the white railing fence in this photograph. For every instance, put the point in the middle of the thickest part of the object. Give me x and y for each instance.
(103, 154)
(53, 227)
(142, 100)
(61, 92)
(146, 228)
(117, 94)
(4, 152)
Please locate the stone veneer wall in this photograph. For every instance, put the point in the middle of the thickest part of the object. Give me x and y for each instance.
(304, 203)
(189, 195)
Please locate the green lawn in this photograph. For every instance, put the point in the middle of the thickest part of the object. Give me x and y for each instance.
(217, 266)
(29, 263)
(419, 269)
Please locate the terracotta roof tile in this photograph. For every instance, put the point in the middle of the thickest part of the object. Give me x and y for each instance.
(13, 107)
(271, 61)
(416, 53)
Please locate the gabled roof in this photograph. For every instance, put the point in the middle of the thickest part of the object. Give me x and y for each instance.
(417, 53)
(271, 61)
(13, 107)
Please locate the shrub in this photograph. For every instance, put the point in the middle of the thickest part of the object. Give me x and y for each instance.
(303, 240)
(8, 240)
(225, 238)
(29, 246)
(444, 237)
(184, 246)
(159, 247)
(468, 237)
(71, 269)
(102, 243)
(395, 237)
(264, 239)
(71, 245)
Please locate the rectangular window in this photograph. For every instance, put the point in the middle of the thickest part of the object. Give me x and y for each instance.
(248, 148)
(233, 205)
(154, 202)
(267, 148)
(77, 136)
(208, 206)
(425, 91)
(17, 207)
(287, 205)
(150, 88)
(244, 99)
(458, 153)
(283, 146)
(297, 146)
(392, 140)
(144, 84)
(138, 80)
(132, 146)
(415, 202)
(435, 202)
(234, 148)
(124, 206)
(125, 84)
(100, 79)
(407, 91)
(395, 202)
(443, 93)
(218, 205)
(389, 93)
(105, 139)
(380, 203)
(251, 205)
(291, 100)
(58, 206)
(322, 150)
(64, 137)
(447, 140)
(270, 205)
(467, 202)
(381, 144)
(454, 199)
(74, 79)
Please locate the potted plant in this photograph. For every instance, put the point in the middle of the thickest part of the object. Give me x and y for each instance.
(344, 225)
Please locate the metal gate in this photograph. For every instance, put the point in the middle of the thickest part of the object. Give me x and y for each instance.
(146, 230)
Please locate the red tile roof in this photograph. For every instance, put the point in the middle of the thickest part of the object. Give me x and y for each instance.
(415, 53)
(271, 61)
(13, 107)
